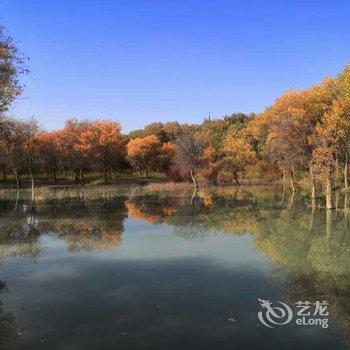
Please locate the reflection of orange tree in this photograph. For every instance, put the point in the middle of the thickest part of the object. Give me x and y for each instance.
(78, 236)
(19, 235)
(150, 209)
(27, 249)
(235, 221)
(89, 237)
(87, 225)
(191, 217)
(139, 212)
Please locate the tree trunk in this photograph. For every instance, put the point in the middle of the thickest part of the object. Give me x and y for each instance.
(284, 185)
(214, 177)
(54, 176)
(76, 179)
(312, 217)
(337, 200)
(4, 174)
(291, 201)
(336, 177)
(105, 175)
(330, 188)
(242, 177)
(313, 184)
(33, 195)
(313, 188)
(346, 201)
(17, 199)
(346, 208)
(193, 195)
(32, 179)
(236, 177)
(292, 180)
(346, 170)
(283, 196)
(17, 179)
(329, 220)
(193, 179)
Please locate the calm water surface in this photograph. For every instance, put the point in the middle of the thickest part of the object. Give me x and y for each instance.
(135, 270)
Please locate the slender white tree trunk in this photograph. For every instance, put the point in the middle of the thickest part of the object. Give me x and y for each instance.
(330, 188)
(193, 179)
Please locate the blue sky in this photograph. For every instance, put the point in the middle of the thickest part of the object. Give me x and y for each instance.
(158, 60)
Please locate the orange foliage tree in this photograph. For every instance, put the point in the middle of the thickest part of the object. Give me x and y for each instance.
(101, 140)
(167, 155)
(49, 152)
(142, 152)
(73, 155)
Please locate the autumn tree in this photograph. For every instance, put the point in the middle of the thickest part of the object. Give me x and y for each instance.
(212, 163)
(142, 152)
(12, 65)
(4, 159)
(282, 133)
(157, 129)
(18, 144)
(11, 147)
(29, 131)
(214, 132)
(3, 164)
(101, 140)
(330, 136)
(190, 153)
(165, 132)
(290, 128)
(167, 155)
(74, 156)
(343, 91)
(239, 152)
(49, 152)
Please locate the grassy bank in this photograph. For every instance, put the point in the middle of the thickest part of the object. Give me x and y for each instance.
(91, 179)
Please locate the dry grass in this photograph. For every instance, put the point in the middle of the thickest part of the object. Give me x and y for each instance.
(93, 192)
(169, 186)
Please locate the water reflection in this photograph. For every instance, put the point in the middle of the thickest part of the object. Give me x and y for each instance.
(9, 330)
(83, 225)
(310, 246)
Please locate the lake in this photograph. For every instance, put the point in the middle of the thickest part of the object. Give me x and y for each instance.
(128, 268)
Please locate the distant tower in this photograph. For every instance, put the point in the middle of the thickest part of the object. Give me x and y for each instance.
(207, 119)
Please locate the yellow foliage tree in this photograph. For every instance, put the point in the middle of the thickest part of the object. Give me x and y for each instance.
(239, 153)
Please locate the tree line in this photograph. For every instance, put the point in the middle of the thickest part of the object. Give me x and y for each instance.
(303, 137)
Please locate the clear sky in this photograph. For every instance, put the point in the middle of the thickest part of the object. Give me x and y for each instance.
(158, 60)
